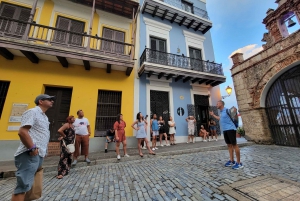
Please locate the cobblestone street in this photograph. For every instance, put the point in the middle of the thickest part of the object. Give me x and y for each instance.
(195, 176)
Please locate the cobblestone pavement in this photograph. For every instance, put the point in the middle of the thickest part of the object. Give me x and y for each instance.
(195, 176)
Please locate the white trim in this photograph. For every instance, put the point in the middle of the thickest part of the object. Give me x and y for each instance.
(163, 79)
(204, 1)
(200, 90)
(157, 29)
(163, 87)
(194, 41)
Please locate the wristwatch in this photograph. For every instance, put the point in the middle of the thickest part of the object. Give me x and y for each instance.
(32, 149)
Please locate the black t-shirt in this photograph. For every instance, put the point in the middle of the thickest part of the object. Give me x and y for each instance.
(109, 133)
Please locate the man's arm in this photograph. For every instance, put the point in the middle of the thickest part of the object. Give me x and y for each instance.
(25, 137)
(151, 125)
(213, 115)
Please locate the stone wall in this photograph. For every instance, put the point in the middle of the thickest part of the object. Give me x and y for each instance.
(250, 77)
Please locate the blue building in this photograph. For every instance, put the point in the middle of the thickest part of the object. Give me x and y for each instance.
(178, 75)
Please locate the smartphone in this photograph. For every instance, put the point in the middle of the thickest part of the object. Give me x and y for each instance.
(146, 116)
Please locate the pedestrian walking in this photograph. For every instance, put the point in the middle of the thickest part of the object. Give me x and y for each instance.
(110, 137)
(82, 141)
(213, 129)
(140, 123)
(67, 136)
(34, 136)
(154, 129)
(191, 128)
(172, 130)
(162, 131)
(119, 127)
(229, 131)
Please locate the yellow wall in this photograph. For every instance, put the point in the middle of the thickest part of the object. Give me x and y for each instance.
(27, 80)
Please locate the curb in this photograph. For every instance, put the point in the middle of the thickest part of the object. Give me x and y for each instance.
(53, 168)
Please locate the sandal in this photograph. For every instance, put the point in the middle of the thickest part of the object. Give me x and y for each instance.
(141, 155)
(60, 177)
(152, 153)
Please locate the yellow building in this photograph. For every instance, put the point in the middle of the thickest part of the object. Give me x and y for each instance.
(77, 52)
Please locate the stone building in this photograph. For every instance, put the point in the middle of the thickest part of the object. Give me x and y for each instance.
(267, 84)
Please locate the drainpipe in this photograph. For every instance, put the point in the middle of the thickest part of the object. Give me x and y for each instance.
(30, 20)
(88, 47)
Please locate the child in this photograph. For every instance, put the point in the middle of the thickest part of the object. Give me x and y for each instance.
(110, 137)
(203, 133)
(191, 128)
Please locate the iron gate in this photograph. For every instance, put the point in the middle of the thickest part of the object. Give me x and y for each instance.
(283, 108)
(159, 105)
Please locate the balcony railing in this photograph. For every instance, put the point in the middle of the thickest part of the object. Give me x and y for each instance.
(191, 9)
(157, 57)
(10, 28)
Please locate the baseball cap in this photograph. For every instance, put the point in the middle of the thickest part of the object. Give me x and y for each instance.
(43, 96)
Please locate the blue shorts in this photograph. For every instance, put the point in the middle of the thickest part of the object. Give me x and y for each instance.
(111, 138)
(213, 128)
(26, 168)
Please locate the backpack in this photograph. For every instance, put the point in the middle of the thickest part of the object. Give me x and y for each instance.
(232, 113)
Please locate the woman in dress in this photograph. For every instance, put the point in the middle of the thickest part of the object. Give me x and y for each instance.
(141, 133)
(172, 130)
(67, 135)
(213, 129)
(119, 127)
(162, 131)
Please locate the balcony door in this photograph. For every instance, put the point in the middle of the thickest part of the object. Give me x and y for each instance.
(111, 46)
(196, 62)
(187, 6)
(158, 51)
(69, 25)
(14, 12)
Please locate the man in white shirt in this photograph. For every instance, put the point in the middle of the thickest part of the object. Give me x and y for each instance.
(82, 131)
(34, 136)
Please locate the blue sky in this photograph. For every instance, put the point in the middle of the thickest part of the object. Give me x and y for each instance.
(237, 25)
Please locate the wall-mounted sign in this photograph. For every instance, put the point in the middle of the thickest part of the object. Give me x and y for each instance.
(13, 128)
(181, 97)
(16, 112)
(180, 111)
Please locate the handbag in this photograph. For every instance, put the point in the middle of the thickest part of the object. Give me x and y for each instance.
(36, 190)
(70, 147)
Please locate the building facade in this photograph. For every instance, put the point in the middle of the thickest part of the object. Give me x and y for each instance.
(267, 84)
(80, 51)
(177, 74)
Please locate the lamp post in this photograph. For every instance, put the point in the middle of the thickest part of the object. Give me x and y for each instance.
(228, 90)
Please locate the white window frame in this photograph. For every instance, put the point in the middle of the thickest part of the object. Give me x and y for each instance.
(194, 41)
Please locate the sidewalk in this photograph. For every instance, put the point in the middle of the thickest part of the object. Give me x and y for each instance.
(7, 168)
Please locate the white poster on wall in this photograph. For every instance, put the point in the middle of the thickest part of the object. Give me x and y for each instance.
(16, 112)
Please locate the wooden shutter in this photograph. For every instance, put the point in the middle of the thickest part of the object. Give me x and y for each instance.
(77, 27)
(162, 45)
(61, 36)
(106, 45)
(153, 44)
(24, 16)
(7, 11)
(119, 36)
(195, 54)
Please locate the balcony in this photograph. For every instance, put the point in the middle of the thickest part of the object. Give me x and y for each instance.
(168, 65)
(179, 11)
(49, 43)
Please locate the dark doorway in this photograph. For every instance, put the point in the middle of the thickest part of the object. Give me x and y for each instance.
(283, 108)
(159, 105)
(60, 111)
(201, 111)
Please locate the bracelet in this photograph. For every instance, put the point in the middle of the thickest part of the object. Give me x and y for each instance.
(33, 147)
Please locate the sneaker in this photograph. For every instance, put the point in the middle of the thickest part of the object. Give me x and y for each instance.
(87, 160)
(167, 145)
(74, 162)
(156, 148)
(153, 149)
(204, 140)
(238, 166)
(187, 142)
(105, 151)
(209, 140)
(216, 140)
(230, 163)
(118, 157)
(162, 145)
(193, 141)
(126, 155)
(144, 148)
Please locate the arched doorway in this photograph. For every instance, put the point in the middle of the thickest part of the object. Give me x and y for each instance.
(283, 108)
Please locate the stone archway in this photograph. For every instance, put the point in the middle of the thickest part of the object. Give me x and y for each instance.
(282, 105)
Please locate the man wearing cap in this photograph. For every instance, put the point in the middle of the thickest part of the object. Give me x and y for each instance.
(34, 135)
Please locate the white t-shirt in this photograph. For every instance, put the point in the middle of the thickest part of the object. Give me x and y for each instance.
(80, 126)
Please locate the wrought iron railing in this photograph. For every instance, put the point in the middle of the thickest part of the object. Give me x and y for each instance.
(195, 10)
(40, 34)
(163, 58)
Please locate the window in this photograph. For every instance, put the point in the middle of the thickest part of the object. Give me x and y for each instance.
(72, 26)
(108, 107)
(13, 12)
(113, 35)
(158, 44)
(187, 6)
(3, 92)
(195, 53)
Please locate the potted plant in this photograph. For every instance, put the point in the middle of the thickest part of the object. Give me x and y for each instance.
(240, 132)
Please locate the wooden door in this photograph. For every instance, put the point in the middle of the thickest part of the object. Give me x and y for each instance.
(60, 111)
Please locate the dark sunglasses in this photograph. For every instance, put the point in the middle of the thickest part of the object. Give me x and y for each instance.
(48, 99)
